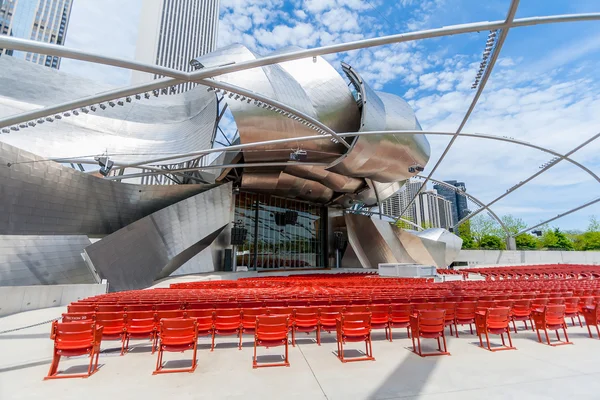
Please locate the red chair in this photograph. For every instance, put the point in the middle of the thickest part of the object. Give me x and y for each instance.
(328, 317)
(111, 308)
(139, 307)
(354, 327)
(572, 310)
(204, 320)
(271, 331)
(177, 335)
(450, 317)
(380, 318)
(356, 309)
(306, 319)
(140, 325)
(400, 317)
(167, 306)
(248, 319)
(494, 321)
(160, 314)
(75, 339)
(591, 314)
(429, 325)
(227, 322)
(552, 317)
(465, 314)
(521, 311)
(114, 326)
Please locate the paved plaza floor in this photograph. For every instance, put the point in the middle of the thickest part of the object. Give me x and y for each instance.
(534, 371)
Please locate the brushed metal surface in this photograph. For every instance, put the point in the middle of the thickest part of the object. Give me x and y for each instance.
(383, 158)
(133, 132)
(453, 242)
(43, 260)
(39, 197)
(422, 250)
(165, 241)
(286, 185)
(366, 241)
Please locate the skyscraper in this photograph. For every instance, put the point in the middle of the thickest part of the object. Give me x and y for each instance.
(172, 32)
(41, 20)
(460, 208)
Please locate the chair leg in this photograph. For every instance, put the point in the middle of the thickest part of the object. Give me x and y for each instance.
(254, 362)
(439, 344)
(413, 342)
(514, 326)
(159, 360)
(579, 318)
(287, 362)
(471, 328)
(589, 331)
(509, 338)
(294, 337)
(408, 331)
(54, 365)
(502, 337)
(538, 335)
(240, 342)
(194, 361)
(444, 341)
(318, 335)
(212, 346)
(565, 332)
(123, 343)
(419, 344)
(598, 330)
(546, 332)
(480, 341)
(91, 362)
(487, 339)
(456, 329)
(557, 336)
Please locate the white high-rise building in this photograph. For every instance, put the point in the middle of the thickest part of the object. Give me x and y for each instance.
(173, 32)
(41, 20)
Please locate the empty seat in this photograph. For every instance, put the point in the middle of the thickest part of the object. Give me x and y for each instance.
(72, 339)
(114, 326)
(73, 308)
(167, 306)
(380, 318)
(572, 310)
(140, 325)
(139, 307)
(177, 335)
(271, 331)
(400, 317)
(450, 316)
(111, 308)
(465, 314)
(354, 327)
(551, 317)
(227, 322)
(306, 319)
(328, 317)
(428, 325)
(521, 311)
(494, 321)
(591, 314)
(78, 317)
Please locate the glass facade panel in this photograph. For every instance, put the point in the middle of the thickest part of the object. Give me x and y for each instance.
(289, 233)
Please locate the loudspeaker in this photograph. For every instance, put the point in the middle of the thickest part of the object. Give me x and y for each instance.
(228, 260)
(238, 236)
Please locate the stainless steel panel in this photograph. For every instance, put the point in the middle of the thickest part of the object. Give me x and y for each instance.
(453, 242)
(43, 260)
(161, 243)
(383, 158)
(39, 197)
(258, 124)
(366, 241)
(136, 131)
(336, 182)
(422, 250)
(286, 185)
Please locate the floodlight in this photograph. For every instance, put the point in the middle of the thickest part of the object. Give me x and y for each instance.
(5, 130)
(120, 102)
(31, 123)
(111, 103)
(41, 121)
(128, 99)
(57, 116)
(102, 106)
(49, 119)
(75, 112)
(93, 108)
(66, 114)
(14, 128)
(147, 95)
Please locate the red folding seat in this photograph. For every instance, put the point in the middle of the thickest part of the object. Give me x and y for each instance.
(327, 317)
(248, 319)
(306, 319)
(400, 300)
(416, 300)
(450, 315)
(275, 303)
(551, 317)
(226, 304)
(494, 321)
(591, 314)
(227, 322)
(360, 302)
(271, 331)
(114, 326)
(204, 320)
(356, 309)
(572, 310)
(75, 340)
(280, 311)
(319, 303)
(465, 314)
(422, 306)
(195, 305)
(380, 318)
(140, 325)
(78, 317)
(556, 300)
(429, 325)
(354, 327)
(160, 314)
(177, 335)
(521, 311)
(483, 304)
(85, 308)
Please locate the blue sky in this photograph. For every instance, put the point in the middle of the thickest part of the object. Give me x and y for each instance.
(545, 88)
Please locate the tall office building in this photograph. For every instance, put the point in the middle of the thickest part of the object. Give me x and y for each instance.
(173, 32)
(41, 20)
(428, 210)
(460, 208)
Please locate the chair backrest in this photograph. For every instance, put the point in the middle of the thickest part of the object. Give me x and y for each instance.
(306, 314)
(504, 303)
(556, 300)
(497, 318)
(400, 312)
(139, 307)
(356, 309)
(422, 306)
(555, 314)
(74, 308)
(201, 316)
(465, 310)
(272, 327)
(111, 308)
(199, 306)
(379, 309)
(485, 303)
(167, 306)
(227, 316)
(227, 304)
(110, 319)
(160, 314)
(80, 335)
(429, 321)
(330, 313)
(78, 317)
(280, 311)
(450, 309)
(178, 331)
(359, 321)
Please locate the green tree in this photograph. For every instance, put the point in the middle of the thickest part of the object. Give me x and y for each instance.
(556, 240)
(464, 232)
(513, 224)
(594, 225)
(525, 241)
(483, 226)
(589, 241)
(491, 242)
